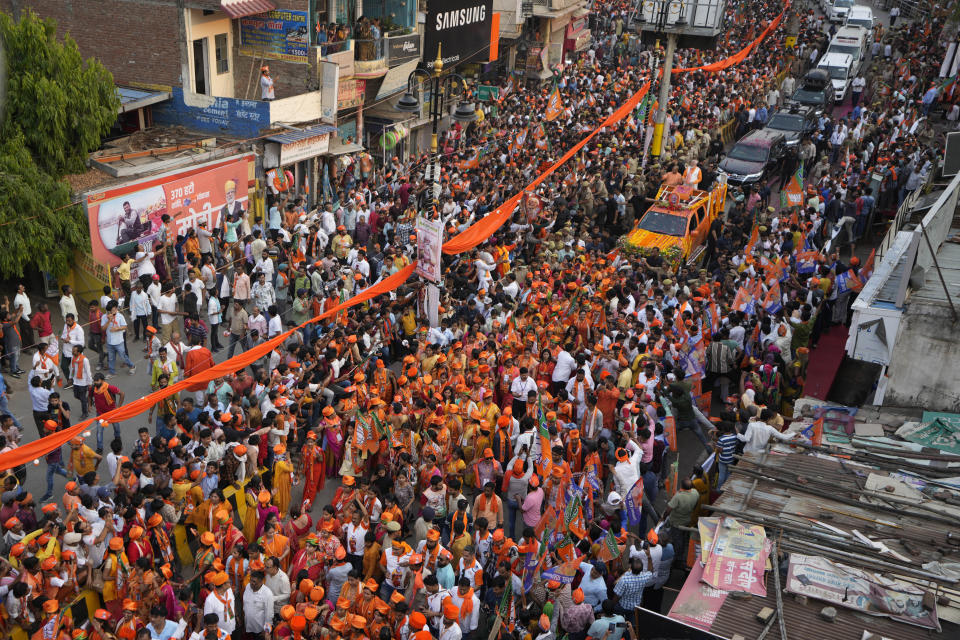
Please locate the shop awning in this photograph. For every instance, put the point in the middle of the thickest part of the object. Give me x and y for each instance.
(301, 134)
(241, 8)
(396, 80)
(339, 148)
(132, 99)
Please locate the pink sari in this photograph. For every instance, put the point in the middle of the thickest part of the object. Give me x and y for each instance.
(333, 435)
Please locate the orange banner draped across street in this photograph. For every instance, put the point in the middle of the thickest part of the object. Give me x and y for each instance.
(471, 237)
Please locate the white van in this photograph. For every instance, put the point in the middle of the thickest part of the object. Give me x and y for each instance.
(838, 10)
(840, 68)
(860, 16)
(852, 41)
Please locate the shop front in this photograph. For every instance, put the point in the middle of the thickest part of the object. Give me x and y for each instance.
(577, 37)
(290, 160)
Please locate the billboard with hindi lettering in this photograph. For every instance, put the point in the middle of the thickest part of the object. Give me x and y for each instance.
(125, 218)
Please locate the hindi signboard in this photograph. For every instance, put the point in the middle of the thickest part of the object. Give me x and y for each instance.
(737, 558)
(277, 35)
(697, 603)
(123, 219)
(852, 588)
(459, 29)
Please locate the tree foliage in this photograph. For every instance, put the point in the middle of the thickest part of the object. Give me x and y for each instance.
(58, 109)
(38, 224)
(62, 105)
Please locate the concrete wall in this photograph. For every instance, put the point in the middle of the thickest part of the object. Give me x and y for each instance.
(220, 85)
(923, 370)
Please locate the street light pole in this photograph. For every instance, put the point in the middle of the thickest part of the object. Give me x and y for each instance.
(660, 117)
(464, 113)
(436, 102)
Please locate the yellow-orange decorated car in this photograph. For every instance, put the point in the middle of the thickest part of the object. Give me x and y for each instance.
(678, 222)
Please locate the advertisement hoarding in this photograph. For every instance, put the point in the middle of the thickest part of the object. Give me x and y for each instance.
(277, 35)
(459, 28)
(350, 93)
(123, 219)
(429, 245)
(402, 49)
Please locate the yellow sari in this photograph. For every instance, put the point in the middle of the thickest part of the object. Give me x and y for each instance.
(281, 485)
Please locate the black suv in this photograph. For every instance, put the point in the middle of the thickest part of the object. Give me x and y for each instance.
(815, 91)
(796, 122)
(754, 158)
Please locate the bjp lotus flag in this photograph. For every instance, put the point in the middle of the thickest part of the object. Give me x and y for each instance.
(771, 302)
(539, 131)
(792, 194)
(554, 106)
(471, 162)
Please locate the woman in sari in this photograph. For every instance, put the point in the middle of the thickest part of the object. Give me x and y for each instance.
(297, 527)
(283, 478)
(264, 511)
(254, 485)
(545, 367)
(333, 436)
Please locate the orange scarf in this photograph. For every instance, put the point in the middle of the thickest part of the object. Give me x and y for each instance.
(104, 390)
(466, 608)
(78, 366)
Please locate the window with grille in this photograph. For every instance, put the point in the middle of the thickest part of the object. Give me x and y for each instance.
(222, 53)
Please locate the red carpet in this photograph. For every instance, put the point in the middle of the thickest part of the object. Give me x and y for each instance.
(824, 362)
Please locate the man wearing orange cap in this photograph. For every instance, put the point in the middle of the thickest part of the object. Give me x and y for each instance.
(228, 535)
(221, 602)
(394, 561)
(129, 624)
(450, 629)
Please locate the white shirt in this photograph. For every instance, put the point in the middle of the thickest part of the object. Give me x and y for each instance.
(225, 610)
(80, 371)
(145, 264)
(68, 305)
(22, 300)
(71, 336)
(564, 367)
(113, 337)
(758, 434)
(521, 388)
(140, 304)
(275, 326)
(453, 632)
(257, 608)
(167, 303)
(153, 292)
(279, 586)
(626, 474)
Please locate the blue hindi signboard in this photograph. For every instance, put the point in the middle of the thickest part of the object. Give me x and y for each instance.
(244, 118)
(276, 35)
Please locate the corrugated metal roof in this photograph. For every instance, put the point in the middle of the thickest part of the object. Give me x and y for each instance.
(131, 98)
(241, 8)
(794, 487)
(309, 132)
(948, 259)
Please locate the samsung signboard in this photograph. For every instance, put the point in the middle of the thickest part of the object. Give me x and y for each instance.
(460, 28)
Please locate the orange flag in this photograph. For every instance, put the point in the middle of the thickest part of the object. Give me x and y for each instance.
(554, 106)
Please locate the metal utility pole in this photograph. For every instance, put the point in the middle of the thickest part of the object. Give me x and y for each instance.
(660, 117)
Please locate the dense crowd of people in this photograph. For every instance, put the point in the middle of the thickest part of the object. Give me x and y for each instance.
(497, 473)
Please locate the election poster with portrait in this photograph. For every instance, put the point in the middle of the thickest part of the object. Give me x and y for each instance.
(429, 247)
(129, 218)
